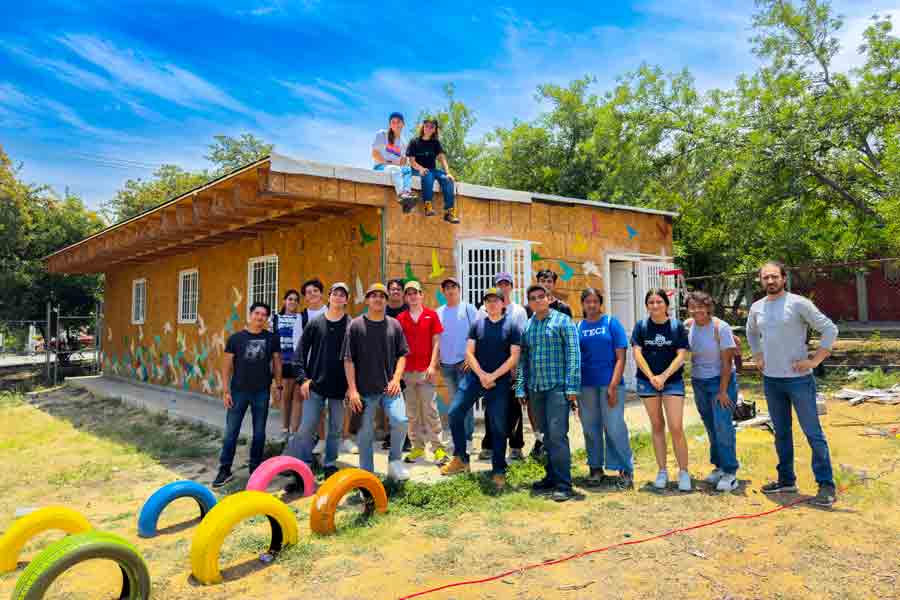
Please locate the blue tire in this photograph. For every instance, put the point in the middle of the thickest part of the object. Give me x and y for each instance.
(162, 497)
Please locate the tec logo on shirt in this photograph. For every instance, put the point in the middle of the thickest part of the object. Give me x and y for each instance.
(660, 340)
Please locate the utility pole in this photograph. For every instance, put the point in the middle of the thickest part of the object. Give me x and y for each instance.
(47, 342)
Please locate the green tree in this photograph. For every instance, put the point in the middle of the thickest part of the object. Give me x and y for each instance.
(139, 195)
(33, 224)
(228, 153)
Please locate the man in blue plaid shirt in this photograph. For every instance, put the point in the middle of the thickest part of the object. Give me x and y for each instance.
(549, 372)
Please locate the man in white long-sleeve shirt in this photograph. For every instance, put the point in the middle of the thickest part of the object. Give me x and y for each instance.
(777, 328)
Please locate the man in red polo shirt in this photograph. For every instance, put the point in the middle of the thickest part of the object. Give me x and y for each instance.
(422, 327)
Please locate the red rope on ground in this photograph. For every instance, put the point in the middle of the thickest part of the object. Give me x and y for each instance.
(604, 549)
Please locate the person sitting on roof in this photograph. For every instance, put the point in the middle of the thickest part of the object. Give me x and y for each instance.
(389, 154)
(424, 151)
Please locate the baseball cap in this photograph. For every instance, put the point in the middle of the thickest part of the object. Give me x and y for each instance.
(339, 285)
(491, 292)
(452, 280)
(504, 276)
(412, 284)
(376, 288)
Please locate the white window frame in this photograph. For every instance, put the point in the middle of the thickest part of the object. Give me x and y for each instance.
(476, 273)
(138, 301)
(270, 296)
(194, 300)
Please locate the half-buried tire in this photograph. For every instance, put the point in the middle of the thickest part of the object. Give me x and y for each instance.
(326, 500)
(165, 495)
(271, 468)
(61, 556)
(25, 528)
(225, 516)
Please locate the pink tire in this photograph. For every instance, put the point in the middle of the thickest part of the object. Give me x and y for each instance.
(269, 469)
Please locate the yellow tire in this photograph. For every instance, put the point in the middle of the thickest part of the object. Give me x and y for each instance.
(225, 516)
(33, 524)
(327, 498)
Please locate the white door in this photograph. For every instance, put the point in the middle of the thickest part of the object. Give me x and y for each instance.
(622, 306)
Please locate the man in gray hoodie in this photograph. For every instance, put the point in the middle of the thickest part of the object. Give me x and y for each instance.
(777, 328)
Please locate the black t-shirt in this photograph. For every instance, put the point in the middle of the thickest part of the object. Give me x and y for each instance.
(659, 345)
(425, 152)
(393, 312)
(252, 359)
(374, 347)
(322, 345)
(493, 341)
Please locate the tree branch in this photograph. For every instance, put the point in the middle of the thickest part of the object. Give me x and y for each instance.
(850, 198)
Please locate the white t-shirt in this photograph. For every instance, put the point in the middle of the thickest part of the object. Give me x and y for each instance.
(298, 325)
(391, 153)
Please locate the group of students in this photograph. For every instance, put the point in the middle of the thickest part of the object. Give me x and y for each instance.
(513, 357)
(420, 157)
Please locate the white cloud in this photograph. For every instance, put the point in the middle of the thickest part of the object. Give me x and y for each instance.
(311, 92)
(851, 37)
(130, 69)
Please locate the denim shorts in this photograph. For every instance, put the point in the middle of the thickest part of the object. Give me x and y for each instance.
(672, 388)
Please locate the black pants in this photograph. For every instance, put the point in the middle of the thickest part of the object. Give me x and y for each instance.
(513, 425)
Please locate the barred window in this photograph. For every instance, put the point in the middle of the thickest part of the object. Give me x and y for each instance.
(188, 295)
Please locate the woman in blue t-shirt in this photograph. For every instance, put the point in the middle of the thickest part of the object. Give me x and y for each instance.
(282, 324)
(660, 348)
(603, 344)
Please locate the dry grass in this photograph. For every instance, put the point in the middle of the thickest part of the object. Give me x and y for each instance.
(105, 459)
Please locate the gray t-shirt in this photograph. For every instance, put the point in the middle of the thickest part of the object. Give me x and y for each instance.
(706, 353)
(778, 329)
(374, 348)
(391, 153)
(456, 321)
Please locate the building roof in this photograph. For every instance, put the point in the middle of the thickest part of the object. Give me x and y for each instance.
(260, 196)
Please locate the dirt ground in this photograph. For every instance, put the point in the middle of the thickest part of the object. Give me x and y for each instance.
(65, 447)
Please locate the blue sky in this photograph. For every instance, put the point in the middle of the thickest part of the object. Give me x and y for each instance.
(92, 94)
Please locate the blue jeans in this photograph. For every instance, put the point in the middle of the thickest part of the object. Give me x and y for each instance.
(259, 411)
(496, 401)
(312, 410)
(800, 392)
(395, 409)
(719, 421)
(551, 412)
(453, 375)
(428, 186)
(400, 175)
(604, 424)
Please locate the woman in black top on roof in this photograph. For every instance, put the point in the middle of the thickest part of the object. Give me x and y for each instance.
(424, 152)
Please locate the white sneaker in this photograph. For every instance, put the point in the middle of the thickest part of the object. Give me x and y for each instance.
(684, 481)
(320, 447)
(714, 477)
(662, 480)
(727, 483)
(397, 471)
(348, 446)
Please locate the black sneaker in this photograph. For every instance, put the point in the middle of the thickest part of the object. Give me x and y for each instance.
(826, 497)
(596, 478)
(544, 486)
(562, 495)
(485, 454)
(223, 477)
(776, 487)
(624, 481)
(407, 445)
(537, 451)
(516, 454)
(386, 444)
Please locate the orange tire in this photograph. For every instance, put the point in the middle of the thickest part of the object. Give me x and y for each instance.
(327, 498)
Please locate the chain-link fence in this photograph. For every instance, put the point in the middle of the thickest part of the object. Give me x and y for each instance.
(51, 349)
(864, 294)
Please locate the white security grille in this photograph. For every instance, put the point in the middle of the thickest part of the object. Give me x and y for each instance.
(138, 301)
(480, 260)
(262, 281)
(649, 277)
(188, 295)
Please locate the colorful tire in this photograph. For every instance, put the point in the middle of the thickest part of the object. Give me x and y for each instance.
(161, 498)
(219, 522)
(61, 556)
(326, 500)
(32, 524)
(271, 468)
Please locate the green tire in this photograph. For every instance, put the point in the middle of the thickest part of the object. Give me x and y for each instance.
(61, 556)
